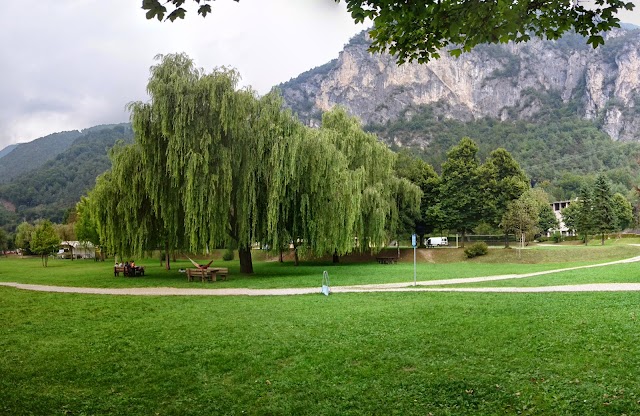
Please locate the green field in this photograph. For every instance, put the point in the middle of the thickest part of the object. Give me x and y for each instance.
(434, 264)
(346, 354)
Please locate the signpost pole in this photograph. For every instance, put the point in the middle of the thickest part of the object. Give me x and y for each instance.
(414, 244)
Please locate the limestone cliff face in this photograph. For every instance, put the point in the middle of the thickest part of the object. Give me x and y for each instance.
(504, 82)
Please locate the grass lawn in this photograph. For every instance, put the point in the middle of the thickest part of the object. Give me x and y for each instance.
(431, 265)
(348, 354)
(619, 273)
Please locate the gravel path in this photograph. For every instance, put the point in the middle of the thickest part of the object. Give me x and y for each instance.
(388, 287)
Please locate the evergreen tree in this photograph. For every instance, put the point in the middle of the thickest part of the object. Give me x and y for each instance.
(461, 200)
(502, 181)
(546, 219)
(604, 213)
(623, 212)
(425, 177)
(584, 218)
(570, 215)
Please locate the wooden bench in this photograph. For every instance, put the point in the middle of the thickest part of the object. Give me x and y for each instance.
(210, 274)
(133, 271)
(386, 260)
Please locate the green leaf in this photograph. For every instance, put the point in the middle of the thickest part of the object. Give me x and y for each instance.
(204, 10)
(177, 13)
(154, 13)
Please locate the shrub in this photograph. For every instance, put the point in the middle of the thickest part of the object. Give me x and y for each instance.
(228, 255)
(557, 237)
(476, 249)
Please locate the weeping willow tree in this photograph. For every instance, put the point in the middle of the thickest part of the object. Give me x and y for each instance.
(337, 191)
(316, 200)
(384, 195)
(201, 162)
(213, 165)
(204, 146)
(123, 210)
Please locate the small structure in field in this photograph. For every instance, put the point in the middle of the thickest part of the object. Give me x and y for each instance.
(76, 250)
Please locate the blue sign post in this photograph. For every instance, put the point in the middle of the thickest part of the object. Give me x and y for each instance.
(414, 243)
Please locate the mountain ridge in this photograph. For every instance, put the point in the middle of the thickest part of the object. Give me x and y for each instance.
(503, 82)
(52, 188)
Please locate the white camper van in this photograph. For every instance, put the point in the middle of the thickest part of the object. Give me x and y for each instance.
(437, 241)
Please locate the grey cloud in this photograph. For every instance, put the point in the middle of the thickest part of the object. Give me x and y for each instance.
(71, 64)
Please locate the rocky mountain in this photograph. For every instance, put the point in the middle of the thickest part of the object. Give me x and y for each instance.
(501, 82)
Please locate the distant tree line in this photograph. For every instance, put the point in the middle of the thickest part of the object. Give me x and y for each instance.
(559, 151)
(495, 196)
(598, 211)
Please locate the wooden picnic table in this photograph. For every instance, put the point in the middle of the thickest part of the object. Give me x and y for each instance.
(128, 271)
(386, 260)
(210, 274)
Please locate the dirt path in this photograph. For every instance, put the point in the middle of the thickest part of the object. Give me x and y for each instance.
(388, 287)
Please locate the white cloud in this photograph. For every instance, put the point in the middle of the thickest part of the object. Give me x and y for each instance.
(71, 64)
(76, 63)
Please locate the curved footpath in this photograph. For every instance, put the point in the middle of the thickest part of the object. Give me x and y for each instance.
(387, 287)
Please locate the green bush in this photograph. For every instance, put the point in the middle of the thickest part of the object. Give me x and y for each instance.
(228, 255)
(557, 237)
(476, 249)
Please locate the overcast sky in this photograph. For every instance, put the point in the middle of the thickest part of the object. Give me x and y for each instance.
(72, 64)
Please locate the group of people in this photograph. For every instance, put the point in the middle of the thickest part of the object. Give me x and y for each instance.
(130, 268)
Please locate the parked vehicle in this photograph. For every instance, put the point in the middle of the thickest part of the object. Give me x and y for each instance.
(437, 241)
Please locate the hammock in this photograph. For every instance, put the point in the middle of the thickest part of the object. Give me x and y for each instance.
(200, 266)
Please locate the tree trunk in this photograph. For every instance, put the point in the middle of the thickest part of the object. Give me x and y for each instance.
(506, 240)
(464, 233)
(336, 258)
(281, 256)
(602, 242)
(246, 265)
(296, 259)
(167, 264)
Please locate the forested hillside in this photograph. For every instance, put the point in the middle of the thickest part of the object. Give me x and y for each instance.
(28, 156)
(50, 190)
(7, 150)
(558, 150)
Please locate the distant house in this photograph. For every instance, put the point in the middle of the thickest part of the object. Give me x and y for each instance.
(76, 250)
(557, 207)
